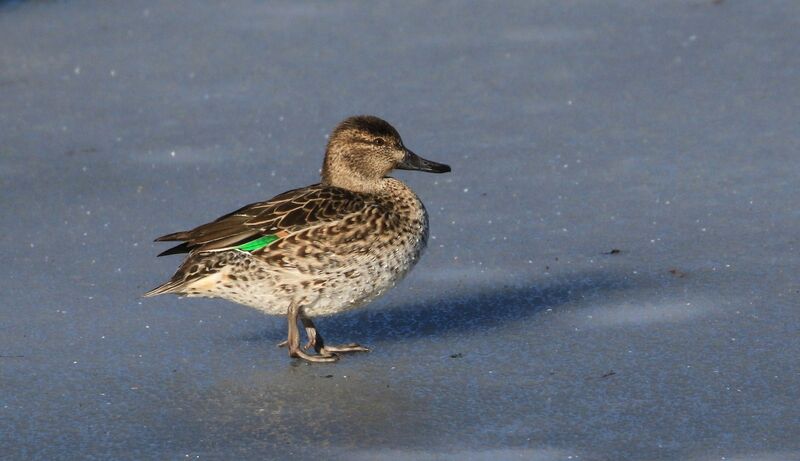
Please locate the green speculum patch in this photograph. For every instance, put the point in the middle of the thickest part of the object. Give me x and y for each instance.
(258, 243)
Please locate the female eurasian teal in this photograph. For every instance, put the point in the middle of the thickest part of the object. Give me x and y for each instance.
(318, 250)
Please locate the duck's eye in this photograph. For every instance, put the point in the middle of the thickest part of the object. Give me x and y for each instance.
(379, 142)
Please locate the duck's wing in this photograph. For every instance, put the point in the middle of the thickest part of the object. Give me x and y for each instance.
(257, 225)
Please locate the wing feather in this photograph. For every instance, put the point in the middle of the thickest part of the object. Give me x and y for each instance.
(282, 215)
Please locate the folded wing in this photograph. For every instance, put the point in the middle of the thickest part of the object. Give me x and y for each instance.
(260, 224)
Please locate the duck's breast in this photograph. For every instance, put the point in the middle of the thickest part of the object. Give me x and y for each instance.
(373, 255)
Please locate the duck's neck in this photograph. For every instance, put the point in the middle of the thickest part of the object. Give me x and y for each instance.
(354, 182)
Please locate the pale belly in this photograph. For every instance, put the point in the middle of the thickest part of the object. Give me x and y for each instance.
(364, 283)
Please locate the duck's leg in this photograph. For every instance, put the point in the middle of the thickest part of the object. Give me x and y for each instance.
(315, 340)
(311, 332)
(306, 347)
(293, 341)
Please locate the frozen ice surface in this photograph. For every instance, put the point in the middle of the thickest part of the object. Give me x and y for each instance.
(667, 130)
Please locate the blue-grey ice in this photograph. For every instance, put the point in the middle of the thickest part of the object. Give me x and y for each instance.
(666, 130)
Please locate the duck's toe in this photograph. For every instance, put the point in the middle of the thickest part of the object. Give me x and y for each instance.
(345, 348)
(299, 354)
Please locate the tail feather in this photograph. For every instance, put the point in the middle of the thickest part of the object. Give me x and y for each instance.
(168, 287)
(195, 270)
(182, 248)
(183, 235)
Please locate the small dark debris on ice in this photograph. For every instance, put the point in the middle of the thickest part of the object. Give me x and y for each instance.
(677, 273)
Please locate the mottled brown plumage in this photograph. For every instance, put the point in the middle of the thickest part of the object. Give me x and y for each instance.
(320, 249)
(288, 212)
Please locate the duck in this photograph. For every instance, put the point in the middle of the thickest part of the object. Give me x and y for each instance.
(317, 250)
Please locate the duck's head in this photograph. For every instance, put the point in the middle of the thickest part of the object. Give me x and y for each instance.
(363, 149)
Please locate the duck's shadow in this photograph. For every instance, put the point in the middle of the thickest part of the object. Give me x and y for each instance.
(467, 311)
